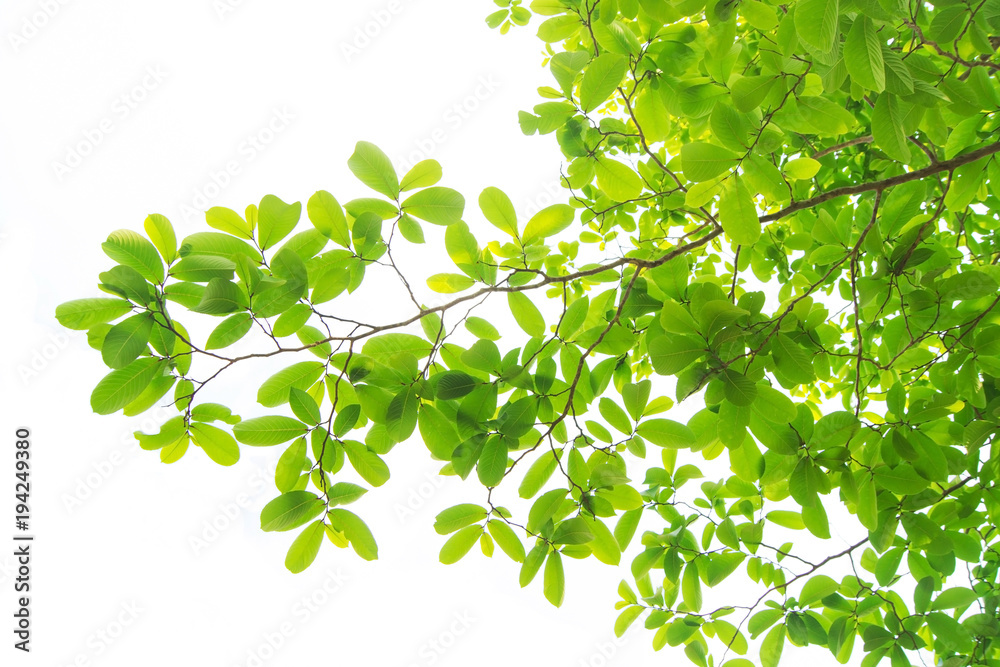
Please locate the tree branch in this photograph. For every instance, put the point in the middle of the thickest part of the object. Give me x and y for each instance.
(947, 165)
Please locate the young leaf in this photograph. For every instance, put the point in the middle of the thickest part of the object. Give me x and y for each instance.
(601, 78)
(373, 168)
(554, 579)
(161, 233)
(327, 216)
(120, 387)
(356, 530)
(290, 510)
(738, 214)
(548, 222)
(271, 430)
(498, 209)
(86, 313)
(457, 517)
(526, 314)
(219, 445)
(305, 548)
(124, 342)
(863, 55)
(459, 544)
(229, 331)
(441, 206)
(423, 174)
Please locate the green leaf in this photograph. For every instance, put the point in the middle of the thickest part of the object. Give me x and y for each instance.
(270, 430)
(573, 531)
(171, 431)
(480, 328)
(229, 331)
(770, 648)
(887, 566)
(441, 206)
(129, 248)
(215, 244)
(615, 416)
(554, 581)
(818, 587)
(421, 175)
(383, 348)
(954, 598)
(303, 406)
(793, 362)
(703, 162)
(759, 15)
(738, 214)
(120, 387)
(203, 268)
(507, 539)
(802, 168)
(492, 461)
(816, 25)
(739, 389)
(344, 493)
(219, 445)
(125, 341)
(774, 406)
(221, 296)
(305, 548)
(229, 221)
(548, 222)
(667, 433)
(749, 92)
(901, 479)
(459, 544)
(356, 531)
(83, 314)
(457, 517)
(410, 229)
(544, 508)
(373, 168)
(626, 618)
(863, 55)
(526, 314)
(276, 389)
(289, 467)
(618, 180)
(691, 587)
(602, 77)
(887, 128)
(161, 233)
(449, 283)
(671, 354)
(518, 417)
(453, 384)
(327, 216)
(539, 473)
(401, 415)
(948, 23)
(367, 463)
(786, 519)
(498, 209)
(290, 510)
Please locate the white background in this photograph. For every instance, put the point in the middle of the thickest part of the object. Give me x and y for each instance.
(117, 548)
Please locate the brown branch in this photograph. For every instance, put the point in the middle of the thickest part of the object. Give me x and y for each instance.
(847, 144)
(947, 165)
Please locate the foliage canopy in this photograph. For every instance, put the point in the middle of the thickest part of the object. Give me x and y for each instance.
(780, 217)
